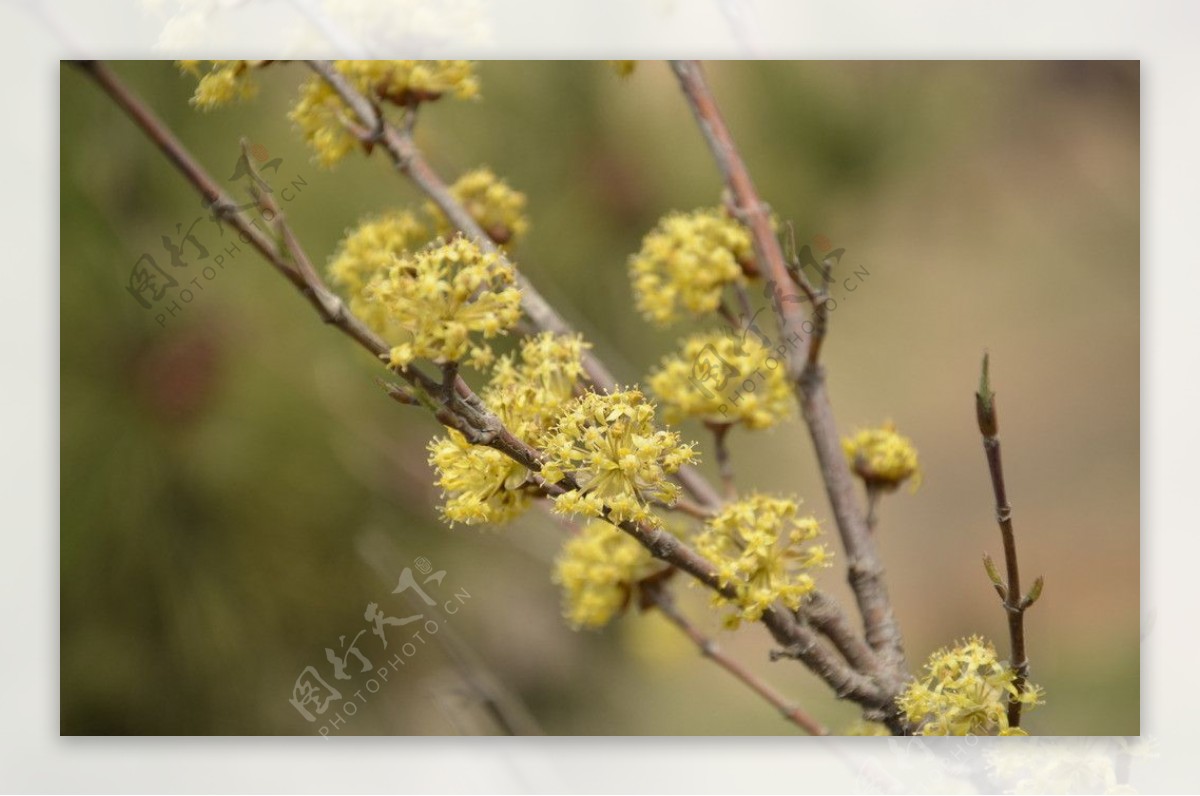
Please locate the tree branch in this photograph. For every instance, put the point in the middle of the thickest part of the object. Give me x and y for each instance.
(865, 568)
(1015, 604)
(720, 432)
(469, 416)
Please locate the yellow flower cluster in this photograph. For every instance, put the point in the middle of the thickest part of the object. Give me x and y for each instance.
(226, 82)
(761, 547)
(534, 390)
(685, 263)
(721, 379)
(480, 484)
(882, 458)
(372, 247)
(442, 294)
(321, 115)
(491, 202)
(619, 459)
(369, 250)
(597, 570)
(965, 691)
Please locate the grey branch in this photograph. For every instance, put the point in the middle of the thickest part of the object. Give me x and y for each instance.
(468, 415)
(866, 572)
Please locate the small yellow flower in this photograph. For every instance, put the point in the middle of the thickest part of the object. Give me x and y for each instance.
(443, 294)
(480, 484)
(965, 691)
(597, 570)
(882, 458)
(764, 550)
(719, 378)
(685, 263)
(619, 459)
(368, 251)
(491, 202)
(321, 115)
(226, 82)
(623, 68)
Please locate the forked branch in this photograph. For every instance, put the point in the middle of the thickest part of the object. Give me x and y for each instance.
(466, 413)
(863, 561)
(1015, 604)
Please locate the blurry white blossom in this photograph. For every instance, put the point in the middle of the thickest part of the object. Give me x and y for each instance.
(363, 28)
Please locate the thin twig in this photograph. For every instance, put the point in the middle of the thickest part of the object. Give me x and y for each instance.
(743, 298)
(818, 297)
(820, 323)
(720, 432)
(863, 561)
(656, 595)
(685, 506)
(291, 244)
(479, 426)
(1015, 604)
(873, 495)
(728, 315)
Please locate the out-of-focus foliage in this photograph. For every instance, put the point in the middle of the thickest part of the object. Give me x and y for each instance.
(236, 488)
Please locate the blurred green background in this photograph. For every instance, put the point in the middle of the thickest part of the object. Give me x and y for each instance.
(236, 488)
